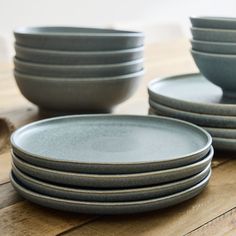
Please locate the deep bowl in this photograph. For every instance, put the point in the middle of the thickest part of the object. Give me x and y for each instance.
(214, 35)
(76, 71)
(214, 47)
(220, 69)
(213, 22)
(55, 57)
(75, 38)
(77, 94)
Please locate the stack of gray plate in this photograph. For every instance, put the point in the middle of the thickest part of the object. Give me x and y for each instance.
(104, 164)
(71, 69)
(193, 98)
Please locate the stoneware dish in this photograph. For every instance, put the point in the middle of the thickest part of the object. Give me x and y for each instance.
(110, 143)
(220, 69)
(193, 93)
(109, 207)
(64, 94)
(213, 47)
(55, 57)
(77, 39)
(112, 181)
(214, 132)
(118, 195)
(214, 35)
(225, 144)
(196, 118)
(213, 22)
(77, 71)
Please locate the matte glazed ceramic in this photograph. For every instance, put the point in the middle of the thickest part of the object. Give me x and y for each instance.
(109, 181)
(213, 47)
(77, 71)
(219, 69)
(74, 38)
(214, 132)
(97, 195)
(214, 35)
(213, 22)
(54, 57)
(224, 144)
(110, 143)
(64, 94)
(193, 93)
(196, 118)
(109, 207)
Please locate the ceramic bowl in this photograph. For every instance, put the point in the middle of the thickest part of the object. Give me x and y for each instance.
(66, 94)
(55, 57)
(78, 70)
(213, 22)
(220, 69)
(214, 47)
(75, 38)
(214, 35)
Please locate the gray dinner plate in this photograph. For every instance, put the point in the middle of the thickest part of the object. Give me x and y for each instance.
(224, 144)
(214, 35)
(112, 181)
(84, 194)
(77, 39)
(78, 94)
(213, 22)
(196, 118)
(77, 71)
(193, 93)
(110, 143)
(213, 47)
(77, 57)
(109, 207)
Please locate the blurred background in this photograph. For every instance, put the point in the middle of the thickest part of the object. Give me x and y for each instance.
(159, 19)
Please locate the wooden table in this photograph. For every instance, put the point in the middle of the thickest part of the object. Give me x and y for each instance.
(213, 212)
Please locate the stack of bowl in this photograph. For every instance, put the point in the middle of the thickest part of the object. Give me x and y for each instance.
(75, 69)
(207, 99)
(214, 50)
(110, 164)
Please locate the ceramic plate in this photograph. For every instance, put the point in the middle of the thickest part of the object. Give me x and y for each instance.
(77, 39)
(78, 94)
(225, 144)
(77, 57)
(112, 181)
(193, 93)
(196, 118)
(215, 132)
(109, 207)
(110, 143)
(213, 22)
(132, 194)
(77, 71)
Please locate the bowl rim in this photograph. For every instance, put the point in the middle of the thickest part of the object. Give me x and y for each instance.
(229, 56)
(105, 32)
(213, 30)
(212, 42)
(58, 52)
(213, 18)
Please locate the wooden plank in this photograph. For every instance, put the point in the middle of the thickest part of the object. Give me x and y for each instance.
(215, 200)
(27, 219)
(8, 195)
(224, 224)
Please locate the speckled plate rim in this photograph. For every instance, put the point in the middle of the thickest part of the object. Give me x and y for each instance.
(160, 190)
(200, 153)
(112, 180)
(206, 108)
(202, 119)
(79, 53)
(110, 207)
